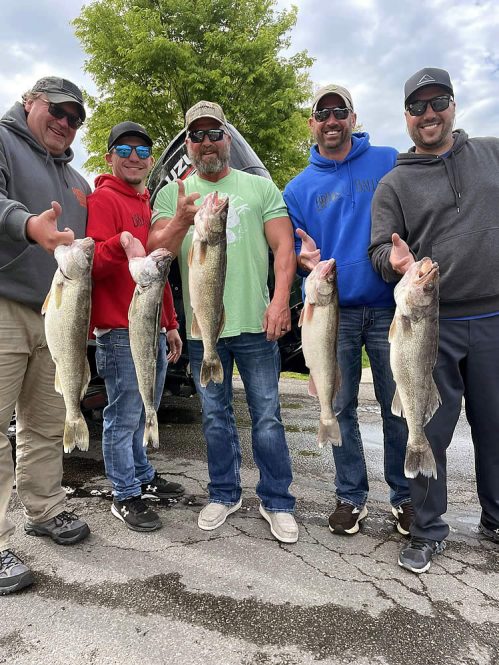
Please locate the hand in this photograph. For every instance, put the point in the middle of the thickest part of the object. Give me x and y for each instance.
(174, 344)
(276, 320)
(186, 208)
(309, 255)
(132, 245)
(42, 229)
(400, 255)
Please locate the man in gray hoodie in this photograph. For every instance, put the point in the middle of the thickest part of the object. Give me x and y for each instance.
(42, 205)
(441, 201)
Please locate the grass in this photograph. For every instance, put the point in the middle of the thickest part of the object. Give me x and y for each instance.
(304, 377)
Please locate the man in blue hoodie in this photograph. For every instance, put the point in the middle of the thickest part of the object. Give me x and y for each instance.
(330, 206)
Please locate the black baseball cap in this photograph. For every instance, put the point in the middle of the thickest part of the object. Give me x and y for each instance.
(427, 76)
(127, 129)
(59, 90)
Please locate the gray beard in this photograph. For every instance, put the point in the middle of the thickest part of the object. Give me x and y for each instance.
(211, 166)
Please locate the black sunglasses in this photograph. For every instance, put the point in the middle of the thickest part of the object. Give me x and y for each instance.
(55, 110)
(323, 114)
(198, 135)
(437, 104)
(124, 150)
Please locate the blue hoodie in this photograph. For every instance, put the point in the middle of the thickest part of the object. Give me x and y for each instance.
(331, 201)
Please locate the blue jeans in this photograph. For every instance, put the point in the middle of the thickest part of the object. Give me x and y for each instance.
(125, 457)
(258, 362)
(367, 326)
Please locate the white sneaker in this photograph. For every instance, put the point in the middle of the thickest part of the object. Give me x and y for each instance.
(214, 515)
(283, 526)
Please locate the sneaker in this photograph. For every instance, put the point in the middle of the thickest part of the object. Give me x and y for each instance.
(404, 516)
(159, 488)
(136, 514)
(14, 574)
(64, 529)
(345, 518)
(417, 556)
(283, 526)
(489, 532)
(214, 515)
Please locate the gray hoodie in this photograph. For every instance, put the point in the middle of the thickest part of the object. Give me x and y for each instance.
(30, 179)
(447, 209)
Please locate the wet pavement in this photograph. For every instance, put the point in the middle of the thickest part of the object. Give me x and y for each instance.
(235, 596)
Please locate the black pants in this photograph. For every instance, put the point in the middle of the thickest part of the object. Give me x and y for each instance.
(467, 365)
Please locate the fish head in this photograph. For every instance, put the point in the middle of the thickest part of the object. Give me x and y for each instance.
(417, 291)
(75, 260)
(211, 218)
(320, 285)
(151, 268)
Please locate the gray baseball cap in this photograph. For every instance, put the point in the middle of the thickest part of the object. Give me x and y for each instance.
(333, 89)
(425, 77)
(204, 109)
(59, 90)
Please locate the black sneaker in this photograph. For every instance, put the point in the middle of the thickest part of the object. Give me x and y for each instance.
(345, 518)
(489, 531)
(14, 574)
(159, 488)
(404, 516)
(417, 556)
(64, 529)
(136, 514)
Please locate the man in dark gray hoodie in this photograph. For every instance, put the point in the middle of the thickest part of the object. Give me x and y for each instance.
(42, 205)
(441, 201)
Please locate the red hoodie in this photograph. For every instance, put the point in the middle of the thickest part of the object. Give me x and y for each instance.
(115, 207)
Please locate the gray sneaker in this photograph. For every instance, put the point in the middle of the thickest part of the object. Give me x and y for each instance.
(14, 574)
(214, 515)
(283, 526)
(64, 529)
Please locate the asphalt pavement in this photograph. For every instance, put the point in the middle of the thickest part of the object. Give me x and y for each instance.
(235, 596)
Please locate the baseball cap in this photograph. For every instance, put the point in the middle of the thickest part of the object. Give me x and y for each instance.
(59, 90)
(127, 129)
(427, 76)
(204, 109)
(333, 89)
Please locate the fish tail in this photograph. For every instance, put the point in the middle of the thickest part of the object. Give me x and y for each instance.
(329, 432)
(75, 435)
(419, 459)
(151, 431)
(211, 370)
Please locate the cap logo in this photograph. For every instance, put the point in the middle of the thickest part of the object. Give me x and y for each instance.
(426, 79)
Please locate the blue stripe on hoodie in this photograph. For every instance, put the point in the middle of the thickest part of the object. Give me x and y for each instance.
(331, 201)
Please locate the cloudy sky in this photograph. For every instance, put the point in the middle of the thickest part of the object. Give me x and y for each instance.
(369, 46)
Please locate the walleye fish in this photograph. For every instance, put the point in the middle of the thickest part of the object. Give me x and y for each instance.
(319, 321)
(207, 267)
(144, 323)
(67, 316)
(413, 353)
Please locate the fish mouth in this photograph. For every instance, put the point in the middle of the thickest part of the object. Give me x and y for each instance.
(428, 271)
(328, 270)
(219, 204)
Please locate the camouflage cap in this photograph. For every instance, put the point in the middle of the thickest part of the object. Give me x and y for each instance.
(59, 90)
(204, 109)
(333, 89)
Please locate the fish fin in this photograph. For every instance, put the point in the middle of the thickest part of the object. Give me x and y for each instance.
(151, 431)
(75, 435)
(329, 432)
(57, 382)
(190, 255)
(131, 309)
(86, 379)
(300, 320)
(195, 329)
(337, 381)
(434, 401)
(309, 311)
(222, 322)
(211, 371)
(393, 330)
(45, 305)
(397, 406)
(312, 390)
(58, 294)
(203, 248)
(419, 459)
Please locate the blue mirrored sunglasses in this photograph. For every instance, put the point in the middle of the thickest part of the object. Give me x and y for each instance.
(142, 151)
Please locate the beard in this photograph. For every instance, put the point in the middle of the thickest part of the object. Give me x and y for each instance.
(216, 162)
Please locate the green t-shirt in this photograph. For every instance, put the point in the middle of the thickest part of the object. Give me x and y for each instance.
(253, 200)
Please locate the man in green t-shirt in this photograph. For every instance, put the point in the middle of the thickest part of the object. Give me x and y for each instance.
(257, 220)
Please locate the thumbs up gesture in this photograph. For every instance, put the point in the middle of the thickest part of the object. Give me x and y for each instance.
(400, 256)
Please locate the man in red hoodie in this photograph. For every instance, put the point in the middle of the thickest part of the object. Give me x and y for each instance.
(119, 218)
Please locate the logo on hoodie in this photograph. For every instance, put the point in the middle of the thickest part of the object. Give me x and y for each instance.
(80, 196)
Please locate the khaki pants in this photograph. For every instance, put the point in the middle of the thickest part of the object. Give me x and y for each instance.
(27, 384)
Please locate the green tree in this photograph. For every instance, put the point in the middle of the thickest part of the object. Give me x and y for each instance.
(153, 59)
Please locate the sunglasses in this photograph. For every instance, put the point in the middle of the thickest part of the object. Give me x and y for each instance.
(437, 104)
(212, 134)
(142, 151)
(56, 111)
(323, 114)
